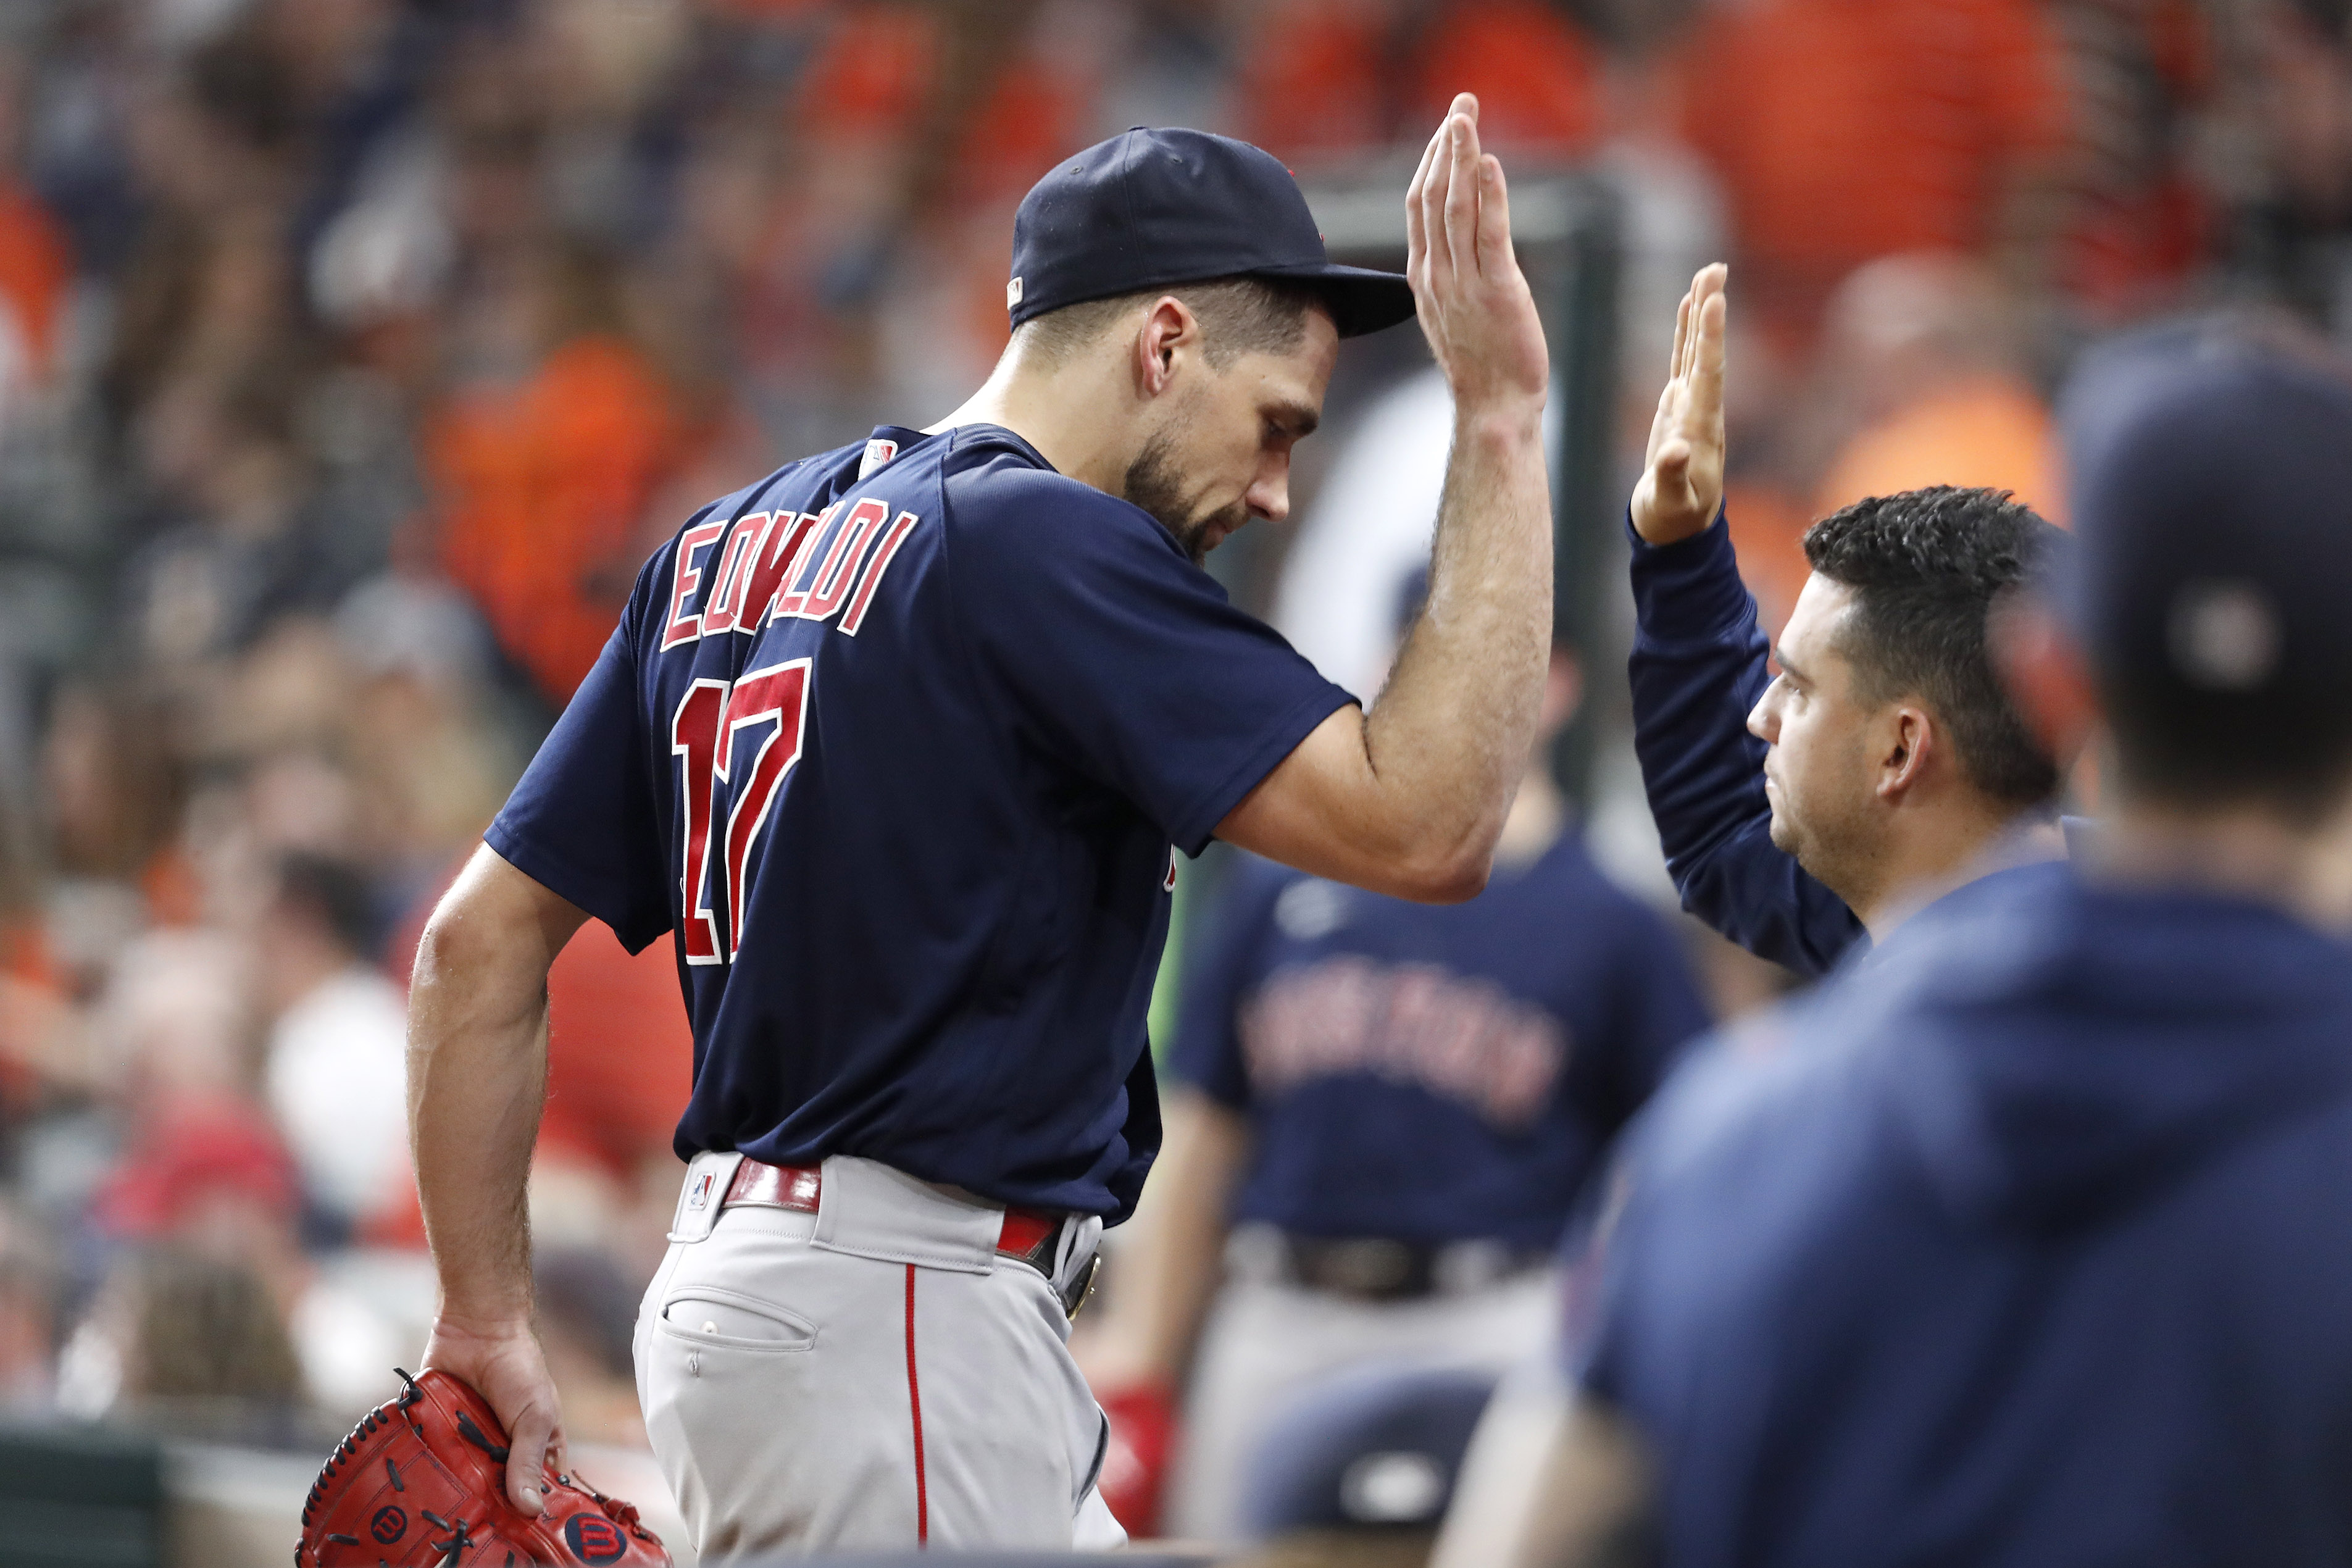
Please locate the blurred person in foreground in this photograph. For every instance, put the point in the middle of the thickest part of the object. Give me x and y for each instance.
(1808, 814)
(2027, 1245)
(1384, 1114)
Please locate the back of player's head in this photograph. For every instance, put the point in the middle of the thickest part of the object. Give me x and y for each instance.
(1925, 567)
(2211, 587)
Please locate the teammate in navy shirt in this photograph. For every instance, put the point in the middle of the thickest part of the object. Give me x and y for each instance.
(1405, 1104)
(898, 746)
(1807, 812)
(2027, 1245)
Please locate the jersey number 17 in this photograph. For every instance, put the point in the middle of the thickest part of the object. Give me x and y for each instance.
(728, 794)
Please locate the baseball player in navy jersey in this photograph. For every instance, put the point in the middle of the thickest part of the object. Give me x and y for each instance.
(2028, 1245)
(1805, 814)
(1385, 1114)
(898, 746)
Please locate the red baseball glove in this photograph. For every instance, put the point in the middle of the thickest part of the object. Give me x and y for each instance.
(421, 1482)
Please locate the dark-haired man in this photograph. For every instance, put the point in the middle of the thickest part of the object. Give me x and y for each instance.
(1805, 813)
(2036, 1254)
(901, 742)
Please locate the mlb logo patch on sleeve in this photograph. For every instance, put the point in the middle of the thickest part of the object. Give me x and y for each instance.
(878, 453)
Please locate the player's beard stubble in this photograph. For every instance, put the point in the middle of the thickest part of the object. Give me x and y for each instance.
(1153, 484)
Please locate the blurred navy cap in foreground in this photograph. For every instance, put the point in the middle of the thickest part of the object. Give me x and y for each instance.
(2211, 578)
(1381, 1446)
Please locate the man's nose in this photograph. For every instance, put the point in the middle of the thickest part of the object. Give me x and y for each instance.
(1269, 496)
(1764, 719)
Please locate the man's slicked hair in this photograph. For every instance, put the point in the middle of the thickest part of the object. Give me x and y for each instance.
(1237, 316)
(1925, 567)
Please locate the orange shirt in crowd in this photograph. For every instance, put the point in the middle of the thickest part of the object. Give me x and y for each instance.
(542, 488)
(1990, 431)
(36, 270)
(1767, 532)
(1845, 130)
(1323, 78)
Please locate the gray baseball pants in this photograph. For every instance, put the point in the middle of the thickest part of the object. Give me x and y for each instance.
(872, 1375)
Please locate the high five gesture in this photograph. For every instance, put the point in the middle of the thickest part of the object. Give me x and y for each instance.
(1473, 304)
(1681, 486)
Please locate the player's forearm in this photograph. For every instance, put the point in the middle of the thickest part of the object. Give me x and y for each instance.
(477, 1080)
(1169, 1270)
(1448, 739)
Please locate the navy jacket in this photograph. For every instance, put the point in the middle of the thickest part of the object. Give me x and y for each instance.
(1698, 667)
(2028, 1244)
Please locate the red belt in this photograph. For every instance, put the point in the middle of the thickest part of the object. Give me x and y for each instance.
(1030, 1237)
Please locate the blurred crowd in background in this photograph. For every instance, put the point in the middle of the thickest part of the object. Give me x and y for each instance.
(354, 353)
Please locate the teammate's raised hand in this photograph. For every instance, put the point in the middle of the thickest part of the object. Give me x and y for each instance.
(1473, 304)
(1681, 486)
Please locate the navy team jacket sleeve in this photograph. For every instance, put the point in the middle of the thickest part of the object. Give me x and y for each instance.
(1698, 667)
(1124, 660)
(583, 822)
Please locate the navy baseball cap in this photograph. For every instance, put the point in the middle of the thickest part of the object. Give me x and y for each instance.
(2210, 478)
(1378, 1445)
(1150, 209)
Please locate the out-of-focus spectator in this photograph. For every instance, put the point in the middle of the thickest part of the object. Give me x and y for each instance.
(1920, 351)
(1328, 78)
(113, 787)
(620, 1056)
(2147, 210)
(189, 1342)
(336, 1068)
(587, 1320)
(1847, 130)
(542, 466)
(36, 259)
(31, 1297)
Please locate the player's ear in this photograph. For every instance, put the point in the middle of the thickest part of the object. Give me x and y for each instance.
(1910, 745)
(1170, 331)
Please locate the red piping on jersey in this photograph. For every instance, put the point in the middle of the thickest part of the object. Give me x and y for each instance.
(915, 1404)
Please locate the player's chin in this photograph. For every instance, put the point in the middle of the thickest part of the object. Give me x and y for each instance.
(1211, 532)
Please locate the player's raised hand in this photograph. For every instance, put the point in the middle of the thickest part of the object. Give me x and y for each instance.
(1473, 304)
(1681, 486)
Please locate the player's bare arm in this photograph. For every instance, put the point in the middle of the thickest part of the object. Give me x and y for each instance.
(1681, 487)
(477, 1078)
(1409, 798)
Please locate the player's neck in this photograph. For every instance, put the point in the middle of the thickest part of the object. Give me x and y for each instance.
(2247, 852)
(1071, 414)
(1926, 865)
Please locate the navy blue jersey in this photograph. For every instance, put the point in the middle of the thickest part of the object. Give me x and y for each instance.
(2028, 1244)
(1431, 1074)
(1698, 665)
(900, 755)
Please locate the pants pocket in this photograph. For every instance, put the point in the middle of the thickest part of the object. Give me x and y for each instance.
(714, 1316)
